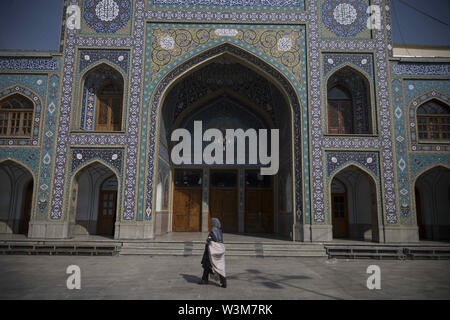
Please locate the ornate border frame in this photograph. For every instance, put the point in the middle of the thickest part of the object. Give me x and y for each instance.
(156, 103)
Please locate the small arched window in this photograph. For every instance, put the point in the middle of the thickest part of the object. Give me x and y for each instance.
(433, 118)
(109, 108)
(102, 100)
(16, 116)
(349, 109)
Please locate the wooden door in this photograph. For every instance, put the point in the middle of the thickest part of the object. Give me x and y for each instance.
(187, 210)
(109, 114)
(340, 117)
(27, 209)
(258, 203)
(339, 215)
(223, 199)
(258, 211)
(419, 214)
(187, 201)
(107, 212)
(109, 107)
(223, 205)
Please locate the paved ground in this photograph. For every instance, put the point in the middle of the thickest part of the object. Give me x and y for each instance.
(131, 277)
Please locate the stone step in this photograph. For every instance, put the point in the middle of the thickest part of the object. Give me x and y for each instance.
(249, 253)
(419, 256)
(196, 248)
(393, 252)
(228, 248)
(228, 245)
(344, 255)
(58, 248)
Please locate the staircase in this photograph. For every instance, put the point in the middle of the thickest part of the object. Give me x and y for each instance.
(395, 252)
(428, 253)
(247, 249)
(59, 248)
(258, 249)
(365, 252)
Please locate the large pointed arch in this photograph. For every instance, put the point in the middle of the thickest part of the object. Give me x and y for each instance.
(17, 196)
(259, 66)
(431, 200)
(365, 226)
(88, 212)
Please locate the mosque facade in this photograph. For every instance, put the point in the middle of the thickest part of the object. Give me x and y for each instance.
(86, 133)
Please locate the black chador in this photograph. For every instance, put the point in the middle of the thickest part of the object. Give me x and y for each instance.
(215, 238)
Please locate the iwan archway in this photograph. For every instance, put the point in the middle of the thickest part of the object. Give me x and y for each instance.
(16, 197)
(228, 88)
(93, 201)
(432, 194)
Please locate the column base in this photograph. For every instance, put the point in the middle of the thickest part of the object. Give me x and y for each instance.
(48, 230)
(302, 232)
(321, 232)
(161, 222)
(401, 234)
(134, 230)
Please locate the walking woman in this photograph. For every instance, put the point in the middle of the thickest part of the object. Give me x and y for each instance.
(213, 260)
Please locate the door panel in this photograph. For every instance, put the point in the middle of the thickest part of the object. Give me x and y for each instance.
(180, 209)
(258, 203)
(195, 210)
(187, 209)
(339, 215)
(267, 210)
(107, 212)
(101, 123)
(252, 211)
(223, 205)
(258, 211)
(340, 117)
(223, 199)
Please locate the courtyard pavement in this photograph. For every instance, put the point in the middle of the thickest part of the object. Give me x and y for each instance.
(145, 277)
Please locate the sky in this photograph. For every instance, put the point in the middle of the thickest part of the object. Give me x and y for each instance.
(36, 24)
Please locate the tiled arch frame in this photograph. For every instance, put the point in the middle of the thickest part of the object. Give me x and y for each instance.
(32, 172)
(38, 107)
(367, 161)
(73, 174)
(412, 108)
(78, 107)
(370, 173)
(261, 65)
(369, 77)
(415, 176)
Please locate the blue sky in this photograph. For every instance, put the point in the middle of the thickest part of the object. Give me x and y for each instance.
(35, 24)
